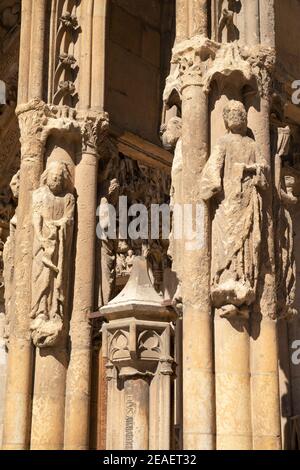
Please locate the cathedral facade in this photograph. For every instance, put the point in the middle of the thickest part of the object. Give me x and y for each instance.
(119, 331)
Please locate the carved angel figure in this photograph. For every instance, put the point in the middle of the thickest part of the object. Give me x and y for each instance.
(52, 217)
(234, 178)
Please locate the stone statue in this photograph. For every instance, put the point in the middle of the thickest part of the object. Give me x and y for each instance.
(227, 9)
(129, 261)
(9, 258)
(287, 185)
(52, 217)
(171, 140)
(233, 178)
(108, 245)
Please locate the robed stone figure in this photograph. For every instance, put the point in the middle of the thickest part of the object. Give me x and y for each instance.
(234, 178)
(52, 217)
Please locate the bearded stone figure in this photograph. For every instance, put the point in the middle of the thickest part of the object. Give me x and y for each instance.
(234, 178)
(52, 217)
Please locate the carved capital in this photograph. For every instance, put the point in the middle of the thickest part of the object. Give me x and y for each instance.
(32, 117)
(94, 129)
(262, 61)
(38, 120)
(193, 57)
(199, 61)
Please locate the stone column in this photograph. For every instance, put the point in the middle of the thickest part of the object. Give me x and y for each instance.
(98, 63)
(24, 60)
(49, 399)
(37, 57)
(136, 343)
(198, 377)
(233, 396)
(19, 378)
(79, 373)
(263, 343)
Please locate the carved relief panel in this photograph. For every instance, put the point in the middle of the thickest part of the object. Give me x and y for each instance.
(141, 184)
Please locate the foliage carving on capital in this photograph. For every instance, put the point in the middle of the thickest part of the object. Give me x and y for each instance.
(194, 56)
(94, 130)
(200, 61)
(262, 61)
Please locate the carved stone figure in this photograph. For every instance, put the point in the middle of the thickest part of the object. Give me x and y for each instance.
(227, 9)
(233, 178)
(8, 257)
(287, 185)
(171, 139)
(129, 261)
(52, 217)
(108, 245)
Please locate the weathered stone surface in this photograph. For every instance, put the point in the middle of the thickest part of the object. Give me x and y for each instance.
(189, 343)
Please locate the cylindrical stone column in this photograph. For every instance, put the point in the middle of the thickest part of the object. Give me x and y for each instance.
(47, 429)
(77, 417)
(35, 82)
(251, 22)
(24, 60)
(20, 366)
(98, 55)
(182, 18)
(197, 17)
(263, 343)
(232, 369)
(198, 377)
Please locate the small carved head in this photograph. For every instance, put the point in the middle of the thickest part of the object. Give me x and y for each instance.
(235, 117)
(171, 133)
(15, 185)
(56, 177)
(113, 191)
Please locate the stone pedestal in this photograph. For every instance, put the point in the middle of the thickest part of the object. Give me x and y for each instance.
(137, 346)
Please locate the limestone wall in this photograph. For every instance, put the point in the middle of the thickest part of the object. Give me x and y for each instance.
(287, 14)
(134, 64)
